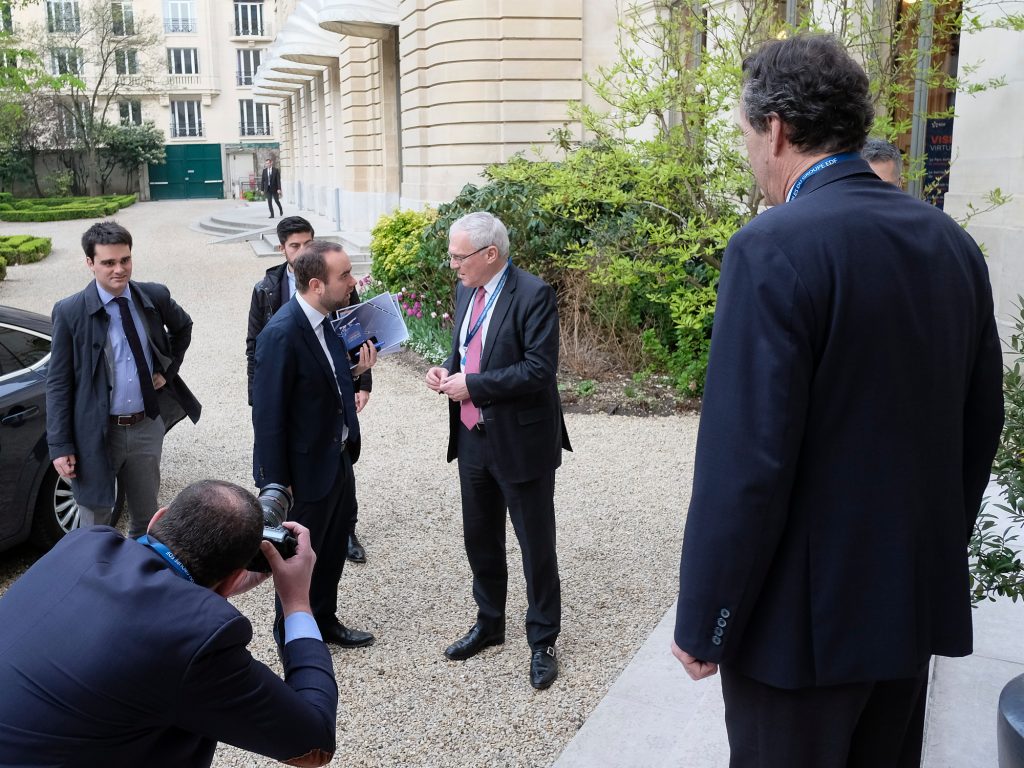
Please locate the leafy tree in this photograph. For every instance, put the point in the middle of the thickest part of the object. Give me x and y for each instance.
(128, 147)
(103, 58)
(26, 122)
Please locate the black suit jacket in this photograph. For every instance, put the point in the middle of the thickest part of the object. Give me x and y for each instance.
(109, 658)
(851, 412)
(297, 413)
(516, 387)
(78, 380)
(270, 183)
(269, 293)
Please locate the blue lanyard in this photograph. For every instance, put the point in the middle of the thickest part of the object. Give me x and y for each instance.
(487, 308)
(161, 549)
(819, 166)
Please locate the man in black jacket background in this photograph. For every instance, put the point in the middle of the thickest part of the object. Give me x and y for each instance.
(270, 185)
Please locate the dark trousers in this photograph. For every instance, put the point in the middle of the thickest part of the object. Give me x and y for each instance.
(329, 521)
(860, 725)
(531, 507)
(271, 199)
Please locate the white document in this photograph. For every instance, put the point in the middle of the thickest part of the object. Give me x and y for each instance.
(381, 317)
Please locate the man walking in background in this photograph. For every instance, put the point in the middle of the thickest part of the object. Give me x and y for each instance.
(507, 431)
(268, 295)
(112, 386)
(270, 185)
(852, 409)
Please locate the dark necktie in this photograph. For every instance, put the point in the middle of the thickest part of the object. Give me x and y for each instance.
(149, 398)
(337, 351)
(469, 414)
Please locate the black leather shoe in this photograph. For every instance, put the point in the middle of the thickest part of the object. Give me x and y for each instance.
(543, 667)
(474, 641)
(340, 635)
(356, 553)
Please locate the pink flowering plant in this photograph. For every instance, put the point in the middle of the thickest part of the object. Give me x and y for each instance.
(429, 324)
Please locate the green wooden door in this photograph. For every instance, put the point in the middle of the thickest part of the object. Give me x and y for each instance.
(191, 171)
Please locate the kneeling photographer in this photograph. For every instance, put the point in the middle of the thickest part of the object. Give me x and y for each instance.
(123, 652)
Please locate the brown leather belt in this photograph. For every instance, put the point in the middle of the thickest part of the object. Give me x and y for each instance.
(127, 421)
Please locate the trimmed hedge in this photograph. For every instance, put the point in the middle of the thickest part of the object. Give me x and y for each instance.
(3, 267)
(62, 208)
(24, 249)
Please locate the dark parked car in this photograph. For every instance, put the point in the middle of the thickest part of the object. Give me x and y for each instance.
(35, 503)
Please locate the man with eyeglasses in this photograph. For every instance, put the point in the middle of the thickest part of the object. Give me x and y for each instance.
(507, 431)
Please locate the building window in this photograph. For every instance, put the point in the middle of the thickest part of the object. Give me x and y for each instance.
(63, 16)
(126, 61)
(249, 18)
(186, 118)
(183, 61)
(248, 62)
(66, 61)
(130, 111)
(123, 17)
(254, 118)
(67, 122)
(180, 16)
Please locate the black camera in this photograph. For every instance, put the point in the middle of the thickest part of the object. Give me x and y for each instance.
(276, 502)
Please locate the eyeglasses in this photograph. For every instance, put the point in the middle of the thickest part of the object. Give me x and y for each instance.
(459, 259)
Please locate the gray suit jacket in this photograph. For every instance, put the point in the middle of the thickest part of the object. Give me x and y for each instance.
(78, 380)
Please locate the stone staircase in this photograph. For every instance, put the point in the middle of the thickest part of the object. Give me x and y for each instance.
(249, 222)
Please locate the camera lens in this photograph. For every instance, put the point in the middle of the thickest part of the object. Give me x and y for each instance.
(276, 502)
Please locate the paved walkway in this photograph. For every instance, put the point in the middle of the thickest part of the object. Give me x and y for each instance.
(654, 716)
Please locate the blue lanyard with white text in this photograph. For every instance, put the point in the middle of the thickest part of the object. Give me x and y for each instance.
(487, 308)
(161, 549)
(821, 165)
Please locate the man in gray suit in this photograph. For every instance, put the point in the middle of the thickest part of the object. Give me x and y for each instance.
(112, 388)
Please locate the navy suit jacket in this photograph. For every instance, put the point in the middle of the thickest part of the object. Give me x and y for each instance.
(107, 657)
(297, 413)
(78, 380)
(516, 388)
(852, 409)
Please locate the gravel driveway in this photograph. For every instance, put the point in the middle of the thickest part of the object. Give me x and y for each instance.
(620, 501)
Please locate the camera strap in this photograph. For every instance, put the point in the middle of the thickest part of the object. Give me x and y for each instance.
(161, 549)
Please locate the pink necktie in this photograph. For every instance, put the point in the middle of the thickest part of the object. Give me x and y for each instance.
(470, 415)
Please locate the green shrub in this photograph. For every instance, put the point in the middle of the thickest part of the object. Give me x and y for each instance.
(24, 249)
(3, 268)
(63, 208)
(399, 260)
(6, 197)
(995, 548)
(61, 182)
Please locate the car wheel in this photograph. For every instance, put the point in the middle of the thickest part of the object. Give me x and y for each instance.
(56, 511)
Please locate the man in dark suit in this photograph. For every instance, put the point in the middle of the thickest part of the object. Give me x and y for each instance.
(120, 652)
(851, 412)
(506, 428)
(112, 384)
(304, 419)
(270, 185)
(275, 289)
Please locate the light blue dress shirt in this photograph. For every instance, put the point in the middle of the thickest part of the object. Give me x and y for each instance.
(126, 392)
(299, 625)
